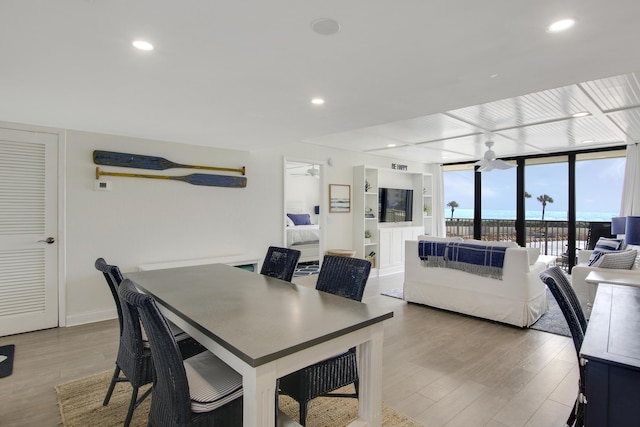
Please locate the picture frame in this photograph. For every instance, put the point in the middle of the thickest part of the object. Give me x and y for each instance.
(339, 198)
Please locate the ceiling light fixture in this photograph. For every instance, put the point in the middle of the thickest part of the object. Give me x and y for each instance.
(325, 26)
(317, 101)
(489, 162)
(561, 25)
(142, 45)
(588, 141)
(392, 145)
(581, 114)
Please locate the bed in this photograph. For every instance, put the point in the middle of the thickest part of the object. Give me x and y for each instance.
(303, 236)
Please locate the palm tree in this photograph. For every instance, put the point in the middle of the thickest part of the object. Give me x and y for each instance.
(453, 205)
(544, 199)
(527, 195)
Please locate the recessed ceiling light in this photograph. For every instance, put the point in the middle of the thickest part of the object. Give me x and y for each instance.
(325, 26)
(588, 141)
(581, 114)
(317, 101)
(392, 145)
(561, 25)
(142, 45)
(493, 76)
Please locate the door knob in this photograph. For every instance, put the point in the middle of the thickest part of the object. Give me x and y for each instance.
(48, 240)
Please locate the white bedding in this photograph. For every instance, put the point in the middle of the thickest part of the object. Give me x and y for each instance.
(303, 234)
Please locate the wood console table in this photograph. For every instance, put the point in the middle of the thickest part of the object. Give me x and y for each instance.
(611, 349)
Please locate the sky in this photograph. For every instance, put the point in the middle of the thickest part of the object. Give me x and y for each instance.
(598, 188)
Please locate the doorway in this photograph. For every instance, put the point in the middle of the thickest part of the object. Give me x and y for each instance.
(304, 209)
(28, 230)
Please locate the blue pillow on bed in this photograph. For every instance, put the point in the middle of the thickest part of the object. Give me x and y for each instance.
(300, 219)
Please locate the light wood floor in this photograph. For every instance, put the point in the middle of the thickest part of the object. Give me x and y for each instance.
(440, 368)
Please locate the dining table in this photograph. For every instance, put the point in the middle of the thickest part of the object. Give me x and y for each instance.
(266, 328)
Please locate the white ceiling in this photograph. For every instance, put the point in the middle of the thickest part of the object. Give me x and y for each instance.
(241, 74)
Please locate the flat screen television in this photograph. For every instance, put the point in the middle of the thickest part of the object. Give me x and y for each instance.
(395, 205)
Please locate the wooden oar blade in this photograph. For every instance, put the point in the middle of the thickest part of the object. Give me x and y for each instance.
(112, 158)
(214, 180)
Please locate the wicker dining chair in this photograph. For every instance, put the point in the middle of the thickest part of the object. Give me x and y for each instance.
(346, 277)
(280, 263)
(133, 362)
(568, 302)
(199, 391)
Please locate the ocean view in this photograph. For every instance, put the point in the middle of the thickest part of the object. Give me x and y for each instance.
(548, 215)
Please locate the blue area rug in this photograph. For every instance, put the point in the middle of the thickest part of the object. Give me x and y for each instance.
(306, 269)
(394, 293)
(6, 360)
(553, 320)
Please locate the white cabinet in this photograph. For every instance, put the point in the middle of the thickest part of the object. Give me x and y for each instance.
(392, 247)
(387, 239)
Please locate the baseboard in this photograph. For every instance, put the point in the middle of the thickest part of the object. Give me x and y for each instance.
(390, 270)
(91, 317)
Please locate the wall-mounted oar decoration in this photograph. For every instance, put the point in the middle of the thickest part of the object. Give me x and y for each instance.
(112, 158)
(195, 179)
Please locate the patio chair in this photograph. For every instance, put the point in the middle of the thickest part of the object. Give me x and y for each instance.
(568, 302)
(280, 263)
(346, 277)
(596, 231)
(199, 391)
(133, 363)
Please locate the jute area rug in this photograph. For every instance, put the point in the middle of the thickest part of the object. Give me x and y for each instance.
(80, 405)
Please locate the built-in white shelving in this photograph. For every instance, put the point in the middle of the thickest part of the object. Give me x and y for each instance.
(387, 239)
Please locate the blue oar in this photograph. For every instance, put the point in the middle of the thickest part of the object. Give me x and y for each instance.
(112, 158)
(195, 179)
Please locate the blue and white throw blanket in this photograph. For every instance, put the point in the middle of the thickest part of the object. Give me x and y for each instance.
(431, 253)
(482, 260)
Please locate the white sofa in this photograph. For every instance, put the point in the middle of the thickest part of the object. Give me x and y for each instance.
(586, 292)
(518, 299)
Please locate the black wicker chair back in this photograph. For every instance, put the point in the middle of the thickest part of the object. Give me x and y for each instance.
(567, 300)
(113, 276)
(280, 263)
(171, 403)
(343, 276)
(346, 277)
(134, 363)
(134, 358)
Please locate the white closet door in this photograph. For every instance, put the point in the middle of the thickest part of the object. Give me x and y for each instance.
(28, 221)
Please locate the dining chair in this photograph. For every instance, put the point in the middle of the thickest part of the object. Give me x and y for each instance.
(199, 391)
(133, 363)
(571, 309)
(280, 263)
(346, 277)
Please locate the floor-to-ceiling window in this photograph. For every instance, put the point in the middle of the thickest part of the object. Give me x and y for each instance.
(459, 200)
(565, 198)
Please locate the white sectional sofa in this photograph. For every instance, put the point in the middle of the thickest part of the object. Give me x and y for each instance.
(586, 292)
(519, 298)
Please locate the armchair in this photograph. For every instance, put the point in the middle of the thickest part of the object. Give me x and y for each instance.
(586, 292)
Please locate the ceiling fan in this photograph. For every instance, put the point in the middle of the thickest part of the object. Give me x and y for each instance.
(489, 162)
(312, 171)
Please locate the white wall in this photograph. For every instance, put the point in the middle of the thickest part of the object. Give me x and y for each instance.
(145, 221)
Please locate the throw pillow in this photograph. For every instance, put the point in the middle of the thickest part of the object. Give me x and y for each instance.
(300, 219)
(604, 244)
(290, 222)
(623, 260)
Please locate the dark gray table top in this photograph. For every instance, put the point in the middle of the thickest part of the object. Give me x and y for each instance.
(613, 335)
(257, 318)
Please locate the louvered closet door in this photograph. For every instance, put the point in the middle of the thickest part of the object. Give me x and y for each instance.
(28, 217)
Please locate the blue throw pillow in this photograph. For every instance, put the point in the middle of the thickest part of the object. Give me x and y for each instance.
(300, 219)
(604, 244)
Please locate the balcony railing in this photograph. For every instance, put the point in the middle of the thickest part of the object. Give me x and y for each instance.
(550, 236)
